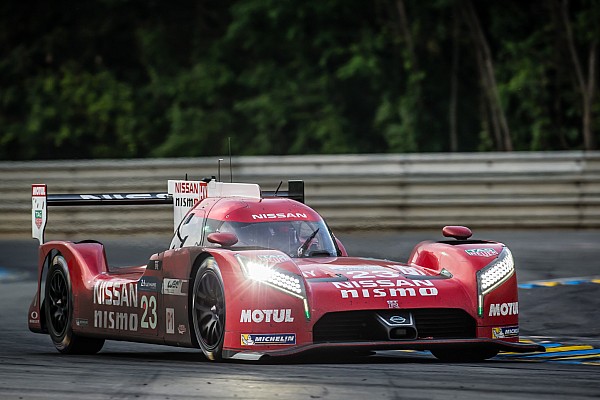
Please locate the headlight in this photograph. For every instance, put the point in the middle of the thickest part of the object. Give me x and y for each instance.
(270, 275)
(494, 275)
(267, 273)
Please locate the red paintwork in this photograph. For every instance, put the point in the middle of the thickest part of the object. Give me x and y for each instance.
(144, 315)
(243, 211)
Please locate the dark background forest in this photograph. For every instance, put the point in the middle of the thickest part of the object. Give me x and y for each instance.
(149, 78)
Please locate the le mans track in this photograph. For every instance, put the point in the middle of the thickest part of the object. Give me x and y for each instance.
(559, 296)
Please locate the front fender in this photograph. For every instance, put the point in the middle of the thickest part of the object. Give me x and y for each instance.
(463, 259)
(255, 308)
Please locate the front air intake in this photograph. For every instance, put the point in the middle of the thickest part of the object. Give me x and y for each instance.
(363, 326)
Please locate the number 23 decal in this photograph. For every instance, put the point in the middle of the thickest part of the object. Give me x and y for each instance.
(149, 318)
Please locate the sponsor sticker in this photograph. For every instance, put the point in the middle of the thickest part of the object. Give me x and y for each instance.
(38, 190)
(154, 265)
(504, 309)
(487, 252)
(170, 320)
(34, 318)
(38, 218)
(173, 287)
(258, 316)
(503, 332)
(148, 284)
(273, 258)
(252, 339)
(81, 322)
(181, 329)
(393, 304)
(357, 268)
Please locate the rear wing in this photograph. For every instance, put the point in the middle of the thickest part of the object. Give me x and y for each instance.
(182, 194)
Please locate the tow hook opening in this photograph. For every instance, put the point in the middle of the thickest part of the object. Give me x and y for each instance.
(403, 333)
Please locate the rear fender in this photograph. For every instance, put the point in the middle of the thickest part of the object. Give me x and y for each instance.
(84, 261)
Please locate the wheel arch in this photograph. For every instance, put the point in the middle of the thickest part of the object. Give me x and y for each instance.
(53, 252)
(193, 271)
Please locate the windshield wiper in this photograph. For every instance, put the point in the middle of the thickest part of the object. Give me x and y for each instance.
(304, 246)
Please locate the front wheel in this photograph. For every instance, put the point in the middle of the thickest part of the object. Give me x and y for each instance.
(208, 309)
(59, 312)
(464, 355)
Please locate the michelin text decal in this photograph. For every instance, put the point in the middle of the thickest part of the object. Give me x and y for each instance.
(251, 339)
(503, 332)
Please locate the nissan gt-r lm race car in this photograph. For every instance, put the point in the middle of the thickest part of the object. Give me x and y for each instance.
(251, 273)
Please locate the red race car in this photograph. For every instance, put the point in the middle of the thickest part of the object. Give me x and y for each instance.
(251, 273)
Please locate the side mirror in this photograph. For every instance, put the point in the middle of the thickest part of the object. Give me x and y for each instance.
(457, 232)
(225, 239)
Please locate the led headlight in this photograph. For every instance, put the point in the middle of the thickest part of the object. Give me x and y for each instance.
(494, 275)
(268, 274)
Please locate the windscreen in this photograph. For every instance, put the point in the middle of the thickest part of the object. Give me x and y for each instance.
(295, 238)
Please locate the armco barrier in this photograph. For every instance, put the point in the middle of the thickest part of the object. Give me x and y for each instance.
(375, 191)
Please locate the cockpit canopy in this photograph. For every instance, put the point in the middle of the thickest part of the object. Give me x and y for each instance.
(279, 224)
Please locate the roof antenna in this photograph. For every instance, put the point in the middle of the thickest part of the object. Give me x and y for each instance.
(277, 190)
(230, 169)
(219, 175)
(186, 176)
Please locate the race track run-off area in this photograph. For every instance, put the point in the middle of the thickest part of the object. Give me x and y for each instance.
(559, 307)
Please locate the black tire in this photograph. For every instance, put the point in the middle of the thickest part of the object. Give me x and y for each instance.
(59, 312)
(208, 309)
(464, 355)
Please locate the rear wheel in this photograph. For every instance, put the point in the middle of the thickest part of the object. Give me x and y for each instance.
(464, 355)
(59, 312)
(208, 309)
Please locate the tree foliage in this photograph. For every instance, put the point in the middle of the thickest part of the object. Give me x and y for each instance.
(131, 78)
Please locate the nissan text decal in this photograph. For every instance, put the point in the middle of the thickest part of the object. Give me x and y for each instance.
(191, 187)
(125, 295)
(280, 216)
(385, 288)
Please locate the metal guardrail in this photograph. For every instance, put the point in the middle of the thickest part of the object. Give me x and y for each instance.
(414, 191)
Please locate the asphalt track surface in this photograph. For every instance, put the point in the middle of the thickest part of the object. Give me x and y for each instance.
(560, 309)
